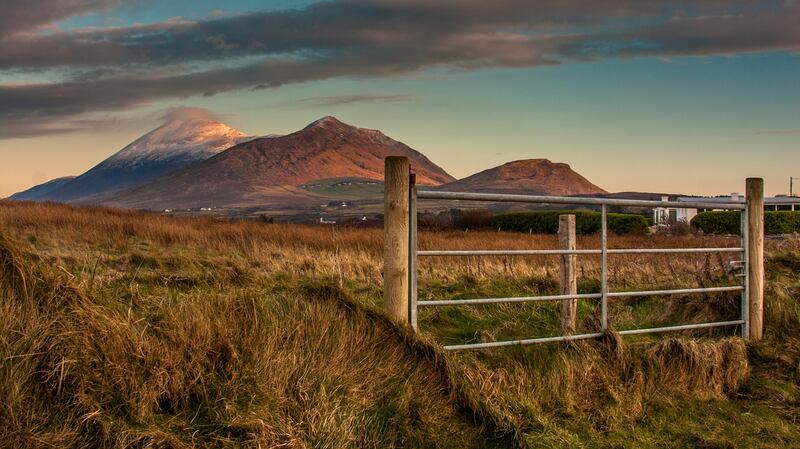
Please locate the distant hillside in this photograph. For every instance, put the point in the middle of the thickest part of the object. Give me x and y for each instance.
(194, 161)
(271, 169)
(42, 190)
(187, 136)
(528, 176)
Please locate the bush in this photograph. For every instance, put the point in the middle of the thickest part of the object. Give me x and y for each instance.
(546, 222)
(626, 224)
(718, 222)
(728, 222)
(472, 219)
(455, 219)
(782, 222)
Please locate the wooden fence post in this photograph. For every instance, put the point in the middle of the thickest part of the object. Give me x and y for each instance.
(568, 278)
(755, 255)
(412, 252)
(395, 237)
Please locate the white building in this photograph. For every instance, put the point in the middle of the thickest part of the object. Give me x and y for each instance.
(663, 216)
(782, 202)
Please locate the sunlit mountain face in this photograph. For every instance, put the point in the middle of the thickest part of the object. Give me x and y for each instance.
(273, 170)
(187, 136)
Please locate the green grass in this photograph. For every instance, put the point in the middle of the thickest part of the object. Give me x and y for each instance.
(200, 336)
(762, 411)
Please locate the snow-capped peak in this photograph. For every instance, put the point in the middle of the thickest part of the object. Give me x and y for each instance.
(187, 134)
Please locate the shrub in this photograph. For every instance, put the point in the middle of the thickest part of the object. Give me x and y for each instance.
(626, 224)
(472, 219)
(586, 222)
(718, 222)
(455, 219)
(678, 227)
(782, 222)
(728, 222)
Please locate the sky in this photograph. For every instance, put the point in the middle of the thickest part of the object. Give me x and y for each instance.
(669, 96)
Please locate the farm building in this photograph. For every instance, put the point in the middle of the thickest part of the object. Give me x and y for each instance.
(666, 215)
(663, 216)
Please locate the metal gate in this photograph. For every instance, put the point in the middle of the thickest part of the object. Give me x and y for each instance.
(604, 251)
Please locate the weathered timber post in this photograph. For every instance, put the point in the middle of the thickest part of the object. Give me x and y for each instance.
(412, 252)
(568, 278)
(396, 237)
(755, 255)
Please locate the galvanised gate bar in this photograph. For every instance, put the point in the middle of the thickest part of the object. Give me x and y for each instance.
(751, 263)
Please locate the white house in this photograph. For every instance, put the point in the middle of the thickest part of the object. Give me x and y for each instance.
(665, 215)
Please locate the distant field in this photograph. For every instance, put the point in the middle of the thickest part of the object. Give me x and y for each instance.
(346, 188)
(121, 329)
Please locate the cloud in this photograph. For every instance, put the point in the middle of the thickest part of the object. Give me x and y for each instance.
(25, 127)
(30, 16)
(766, 31)
(185, 113)
(360, 98)
(119, 68)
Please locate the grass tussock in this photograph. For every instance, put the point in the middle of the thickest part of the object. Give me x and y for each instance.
(121, 329)
(218, 371)
(600, 387)
(708, 369)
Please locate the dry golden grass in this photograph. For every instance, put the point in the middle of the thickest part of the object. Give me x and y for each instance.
(347, 253)
(224, 369)
(122, 329)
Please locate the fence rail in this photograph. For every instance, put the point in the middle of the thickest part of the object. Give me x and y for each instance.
(401, 281)
(574, 200)
(558, 252)
(478, 301)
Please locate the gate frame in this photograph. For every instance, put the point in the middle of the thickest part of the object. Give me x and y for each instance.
(402, 226)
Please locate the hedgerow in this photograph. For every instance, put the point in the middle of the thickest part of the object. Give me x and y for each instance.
(586, 222)
(729, 222)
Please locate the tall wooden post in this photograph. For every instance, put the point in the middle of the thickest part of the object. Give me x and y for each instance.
(755, 255)
(412, 253)
(395, 237)
(568, 278)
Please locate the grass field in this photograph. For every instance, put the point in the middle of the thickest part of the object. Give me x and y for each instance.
(120, 329)
(346, 188)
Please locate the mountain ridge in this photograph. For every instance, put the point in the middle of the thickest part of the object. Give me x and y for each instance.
(41, 190)
(187, 136)
(186, 163)
(252, 172)
(532, 176)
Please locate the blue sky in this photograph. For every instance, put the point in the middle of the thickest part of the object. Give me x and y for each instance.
(673, 98)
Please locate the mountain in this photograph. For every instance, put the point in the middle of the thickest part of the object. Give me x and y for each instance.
(41, 190)
(272, 169)
(188, 135)
(527, 176)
